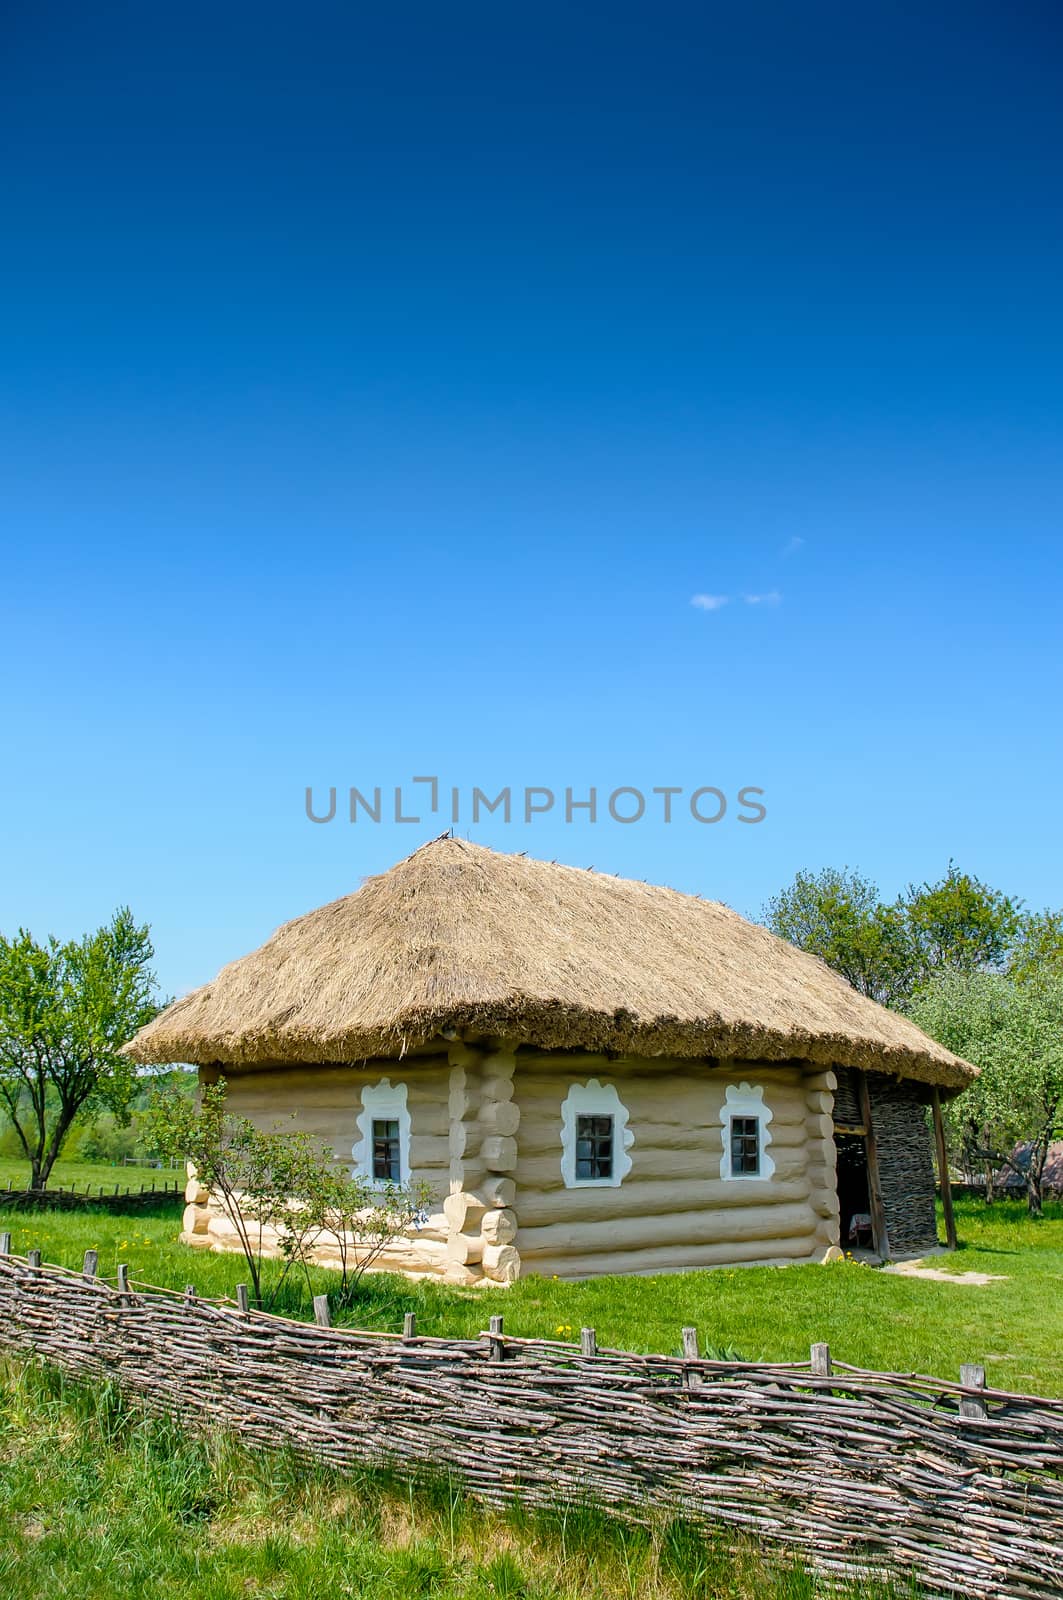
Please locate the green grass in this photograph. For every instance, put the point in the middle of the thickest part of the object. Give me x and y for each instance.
(869, 1318)
(65, 1173)
(99, 1502)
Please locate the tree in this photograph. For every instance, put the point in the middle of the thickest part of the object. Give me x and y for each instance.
(1014, 1034)
(284, 1182)
(65, 1011)
(838, 916)
(1038, 948)
(958, 924)
(889, 952)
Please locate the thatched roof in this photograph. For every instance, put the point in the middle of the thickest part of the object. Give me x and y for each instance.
(459, 937)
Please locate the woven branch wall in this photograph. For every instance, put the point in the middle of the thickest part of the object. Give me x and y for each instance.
(859, 1471)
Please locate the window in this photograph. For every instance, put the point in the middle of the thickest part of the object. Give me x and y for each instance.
(387, 1159)
(745, 1147)
(594, 1148)
(595, 1137)
(382, 1152)
(745, 1134)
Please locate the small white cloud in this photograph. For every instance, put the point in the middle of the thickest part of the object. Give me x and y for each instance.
(772, 598)
(709, 602)
(793, 545)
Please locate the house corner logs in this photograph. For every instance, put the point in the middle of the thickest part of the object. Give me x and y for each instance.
(484, 1119)
(820, 1088)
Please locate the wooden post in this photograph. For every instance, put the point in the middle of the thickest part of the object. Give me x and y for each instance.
(322, 1314)
(5, 1244)
(409, 1325)
(874, 1183)
(498, 1351)
(943, 1169)
(190, 1294)
(692, 1380)
(90, 1263)
(588, 1342)
(972, 1376)
(243, 1305)
(33, 1258)
(821, 1367)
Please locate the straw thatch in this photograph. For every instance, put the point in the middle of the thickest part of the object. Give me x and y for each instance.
(459, 937)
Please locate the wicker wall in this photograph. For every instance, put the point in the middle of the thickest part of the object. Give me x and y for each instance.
(906, 1155)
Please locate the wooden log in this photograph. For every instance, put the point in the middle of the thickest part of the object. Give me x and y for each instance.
(750, 1221)
(943, 1169)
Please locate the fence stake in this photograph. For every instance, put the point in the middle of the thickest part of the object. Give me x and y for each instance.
(123, 1278)
(821, 1367)
(5, 1244)
(322, 1314)
(498, 1351)
(33, 1258)
(190, 1294)
(90, 1263)
(409, 1325)
(972, 1376)
(242, 1303)
(588, 1342)
(691, 1380)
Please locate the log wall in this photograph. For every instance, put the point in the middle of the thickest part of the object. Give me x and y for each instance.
(326, 1102)
(673, 1210)
(954, 1485)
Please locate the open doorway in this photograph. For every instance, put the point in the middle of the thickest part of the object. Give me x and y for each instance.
(855, 1229)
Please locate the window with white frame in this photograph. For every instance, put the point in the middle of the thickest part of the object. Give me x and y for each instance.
(382, 1153)
(595, 1137)
(745, 1127)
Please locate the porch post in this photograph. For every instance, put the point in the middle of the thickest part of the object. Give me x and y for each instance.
(943, 1170)
(874, 1184)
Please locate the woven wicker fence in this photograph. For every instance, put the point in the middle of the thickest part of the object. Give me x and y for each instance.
(861, 1472)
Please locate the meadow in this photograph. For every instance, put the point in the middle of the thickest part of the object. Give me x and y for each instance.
(870, 1318)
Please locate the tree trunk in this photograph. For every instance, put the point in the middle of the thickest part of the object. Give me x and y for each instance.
(1033, 1191)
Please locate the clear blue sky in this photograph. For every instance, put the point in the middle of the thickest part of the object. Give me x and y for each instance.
(380, 384)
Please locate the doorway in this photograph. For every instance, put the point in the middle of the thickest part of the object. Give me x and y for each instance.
(855, 1229)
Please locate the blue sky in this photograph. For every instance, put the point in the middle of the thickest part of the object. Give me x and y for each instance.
(381, 385)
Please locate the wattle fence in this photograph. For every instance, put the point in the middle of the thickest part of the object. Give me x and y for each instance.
(860, 1472)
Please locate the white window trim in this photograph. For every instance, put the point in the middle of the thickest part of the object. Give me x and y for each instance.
(382, 1102)
(594, 1099)
(745, 1100)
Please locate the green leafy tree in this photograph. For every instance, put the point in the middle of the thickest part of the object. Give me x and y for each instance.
(959, 924)
(65, 1011)
(283, 1184)
(1014, 1034)
(1038, 947)
(838, 916)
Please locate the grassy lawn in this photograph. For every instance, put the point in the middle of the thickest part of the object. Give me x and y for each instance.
(99, 1503)
(94, 1173)
(869, 1318)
